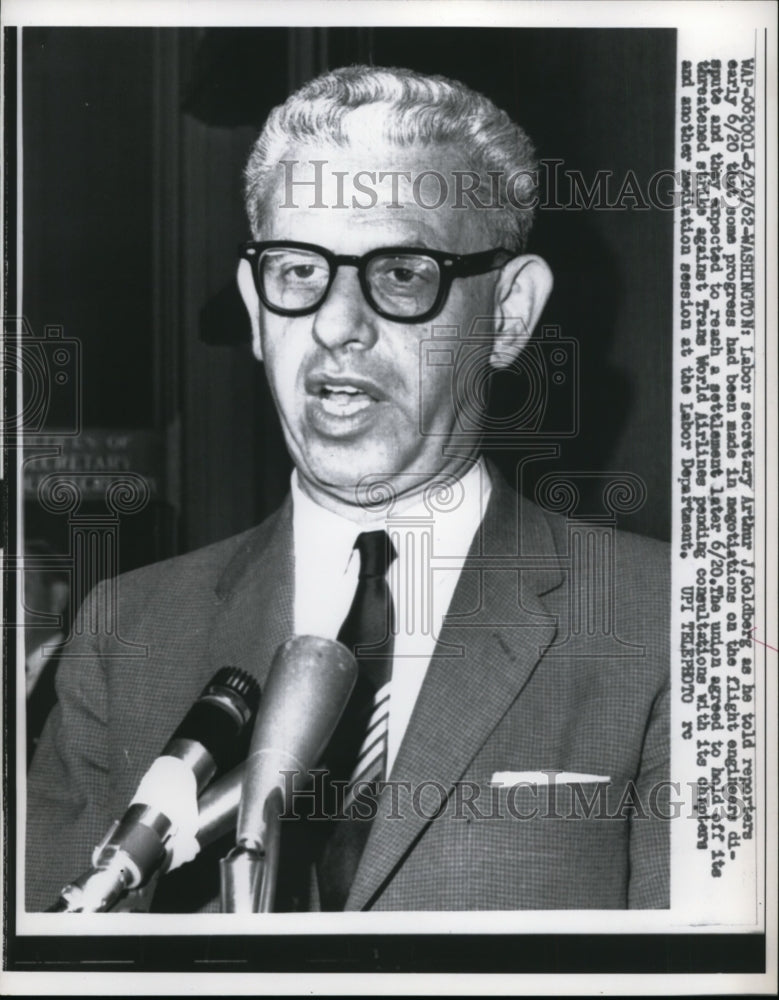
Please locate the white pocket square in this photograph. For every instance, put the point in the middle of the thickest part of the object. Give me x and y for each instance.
(546, 778)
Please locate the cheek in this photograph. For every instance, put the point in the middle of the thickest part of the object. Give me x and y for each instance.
(437, 396)
(282, 357)
(463, 384)
(471, 304)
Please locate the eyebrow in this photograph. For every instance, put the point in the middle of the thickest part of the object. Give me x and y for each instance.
(409, 242)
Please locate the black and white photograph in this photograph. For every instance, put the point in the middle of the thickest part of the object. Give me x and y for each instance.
(389, 561)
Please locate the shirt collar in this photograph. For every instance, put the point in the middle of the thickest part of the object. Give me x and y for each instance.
(318, 530)
(455, 512)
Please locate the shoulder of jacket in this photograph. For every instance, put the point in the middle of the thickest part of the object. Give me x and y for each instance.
(201, 566)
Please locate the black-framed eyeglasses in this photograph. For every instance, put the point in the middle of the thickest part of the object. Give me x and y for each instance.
(409, 284)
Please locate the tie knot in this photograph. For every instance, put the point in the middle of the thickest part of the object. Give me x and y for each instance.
(376, 553)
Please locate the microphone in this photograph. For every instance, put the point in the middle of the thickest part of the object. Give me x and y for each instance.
(218, 806)
(161, 824)
(306, 691)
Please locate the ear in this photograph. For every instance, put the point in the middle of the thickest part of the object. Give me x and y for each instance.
(252, 302)
(521, 292)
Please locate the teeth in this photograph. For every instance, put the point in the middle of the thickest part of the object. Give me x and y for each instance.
(350, 389)
(343, 400)
(340, 405)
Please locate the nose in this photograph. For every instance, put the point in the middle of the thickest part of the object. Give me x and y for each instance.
(345, 320)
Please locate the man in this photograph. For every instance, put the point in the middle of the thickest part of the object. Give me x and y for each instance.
(525, 763)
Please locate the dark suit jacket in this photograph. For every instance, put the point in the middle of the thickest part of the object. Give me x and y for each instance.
(42, 700)
(549, 659)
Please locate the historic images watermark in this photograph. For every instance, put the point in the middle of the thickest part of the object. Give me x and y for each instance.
(550, 795)
(550, 187)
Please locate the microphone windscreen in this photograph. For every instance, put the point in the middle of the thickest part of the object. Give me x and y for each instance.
(304, 696)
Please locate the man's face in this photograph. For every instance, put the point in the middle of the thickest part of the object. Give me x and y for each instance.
(348, 384)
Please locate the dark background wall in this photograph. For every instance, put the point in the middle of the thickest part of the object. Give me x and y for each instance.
(134, 141)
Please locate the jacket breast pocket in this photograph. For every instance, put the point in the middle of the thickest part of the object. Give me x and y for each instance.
(529, 847)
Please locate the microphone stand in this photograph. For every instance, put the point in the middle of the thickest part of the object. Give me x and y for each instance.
(248, 874)
(116, 871)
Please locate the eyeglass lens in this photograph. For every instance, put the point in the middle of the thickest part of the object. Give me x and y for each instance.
(400, 284)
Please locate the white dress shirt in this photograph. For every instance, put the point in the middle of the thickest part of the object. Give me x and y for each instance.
(431, 536)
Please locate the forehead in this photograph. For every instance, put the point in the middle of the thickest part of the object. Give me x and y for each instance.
(368, 194)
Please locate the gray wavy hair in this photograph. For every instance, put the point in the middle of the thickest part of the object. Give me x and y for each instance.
(415, 110)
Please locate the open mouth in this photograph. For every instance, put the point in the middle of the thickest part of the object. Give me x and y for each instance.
(343, 400)
(343, 395)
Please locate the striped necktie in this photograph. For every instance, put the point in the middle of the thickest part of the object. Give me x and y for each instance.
(358, 751)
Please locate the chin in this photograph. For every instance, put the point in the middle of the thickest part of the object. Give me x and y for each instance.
(347, 480)
(334, 477)
(359, 478)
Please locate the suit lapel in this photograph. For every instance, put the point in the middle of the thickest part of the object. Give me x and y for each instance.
(494, 634)
(256, 595)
